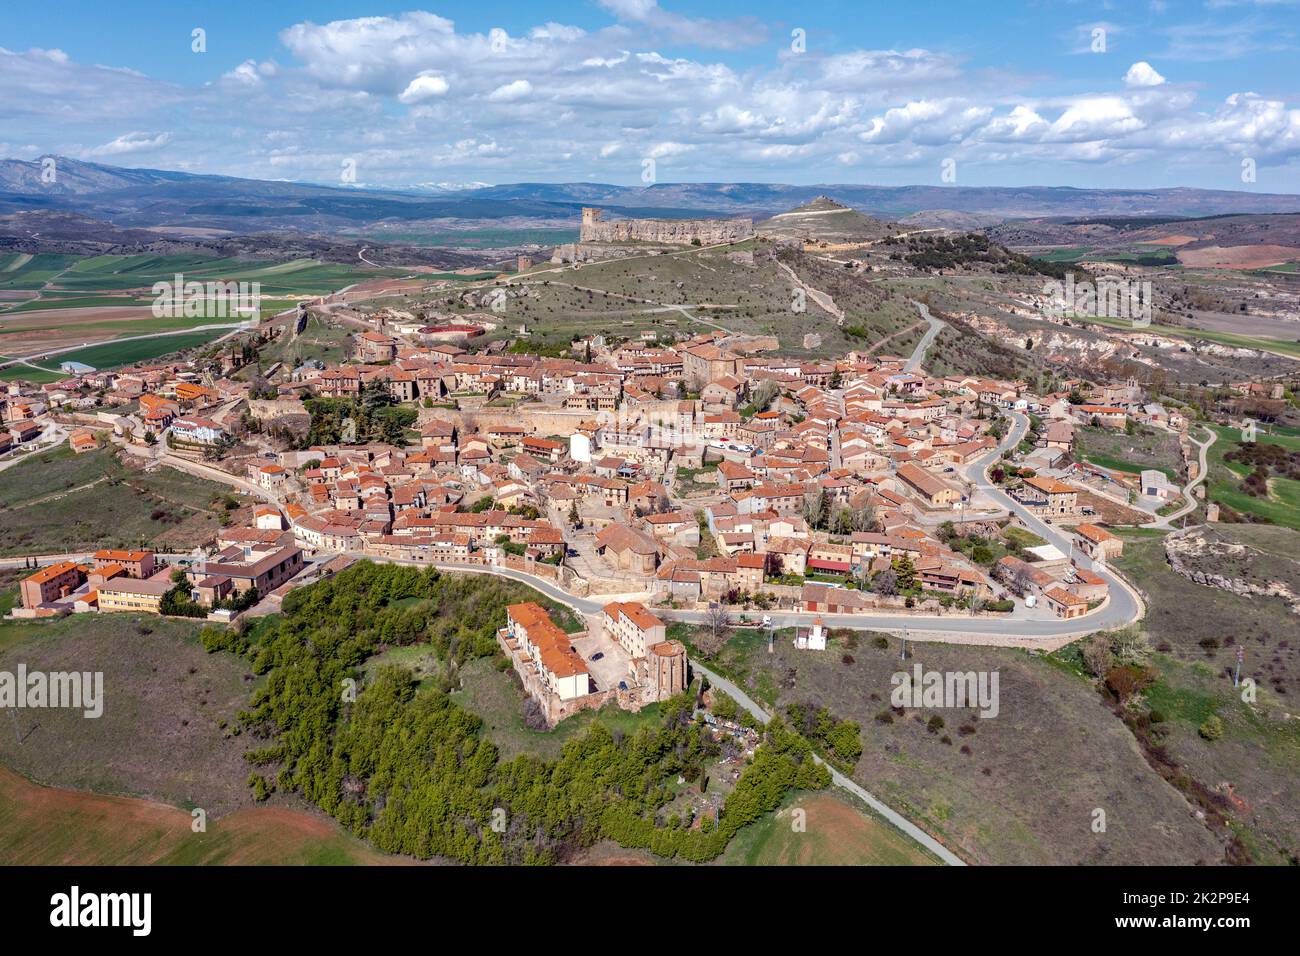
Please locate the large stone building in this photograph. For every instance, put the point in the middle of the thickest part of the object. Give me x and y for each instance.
(676, 231)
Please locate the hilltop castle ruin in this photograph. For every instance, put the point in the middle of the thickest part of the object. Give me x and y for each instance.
(677, 231)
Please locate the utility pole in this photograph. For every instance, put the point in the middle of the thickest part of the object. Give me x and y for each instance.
(1241, 656)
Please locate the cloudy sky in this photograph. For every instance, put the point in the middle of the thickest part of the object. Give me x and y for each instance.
(1137, 93)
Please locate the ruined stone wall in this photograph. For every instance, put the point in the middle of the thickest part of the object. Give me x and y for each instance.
(675, 231)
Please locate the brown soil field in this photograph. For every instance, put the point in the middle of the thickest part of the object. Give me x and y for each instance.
(1237, 257)
(55, 328)
(1172, 241)
(48, 826)
(1110, 512)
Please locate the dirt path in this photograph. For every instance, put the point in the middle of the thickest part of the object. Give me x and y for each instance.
(823, 300)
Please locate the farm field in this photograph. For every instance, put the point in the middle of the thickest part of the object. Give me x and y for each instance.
(46, 826)
(837, 834)
(73, 300)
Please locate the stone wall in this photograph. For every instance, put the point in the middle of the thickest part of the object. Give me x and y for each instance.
(536, 416)
(675, 231)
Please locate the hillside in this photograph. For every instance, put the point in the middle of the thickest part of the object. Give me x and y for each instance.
(826, 220)
(146, 198)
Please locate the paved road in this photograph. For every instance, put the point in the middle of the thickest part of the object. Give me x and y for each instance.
(1124, 606)
(897, 819)
(918, 354)
(1191, 502)
(1122, 609)
(54, 435)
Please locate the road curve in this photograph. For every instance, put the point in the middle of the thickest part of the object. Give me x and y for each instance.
(1201, 474)
(1124, 606)
(918, 354)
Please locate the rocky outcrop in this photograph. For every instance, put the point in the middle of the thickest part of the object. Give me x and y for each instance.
(1199, 555)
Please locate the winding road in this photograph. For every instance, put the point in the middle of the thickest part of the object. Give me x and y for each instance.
(1188, 490)
(918, 354)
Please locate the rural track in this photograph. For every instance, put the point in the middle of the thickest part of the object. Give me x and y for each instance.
(936, 326)
(823, 299)
(1202, 472)
(895, 818)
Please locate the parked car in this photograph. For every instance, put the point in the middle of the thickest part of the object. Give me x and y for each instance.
(598, 655)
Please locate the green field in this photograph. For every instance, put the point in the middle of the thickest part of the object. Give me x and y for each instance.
(495, 696)
(56, 502)
(121, 273)
(1145, 448)
(30, 272)
(1282, 507)
(835, 833)
(480, 238)
(111, 355)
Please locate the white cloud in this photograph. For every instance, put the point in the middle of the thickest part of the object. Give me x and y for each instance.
(1142, 73)
(131, 143)
(250, 72)
(714, 34)
(510, 92)
(424, 87)
(376, 89)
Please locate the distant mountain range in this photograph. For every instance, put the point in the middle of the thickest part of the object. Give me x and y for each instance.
(147, 198)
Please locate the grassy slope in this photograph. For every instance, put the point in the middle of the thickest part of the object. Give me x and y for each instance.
(1259, 753)
(835, 834)
(1025, 792)
(1283, 505)
(44, 826)
(118, 512)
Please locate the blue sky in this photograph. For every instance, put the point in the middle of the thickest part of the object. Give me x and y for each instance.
(1053, 92)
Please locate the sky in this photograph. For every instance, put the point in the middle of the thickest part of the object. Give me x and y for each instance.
(1136, 94)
